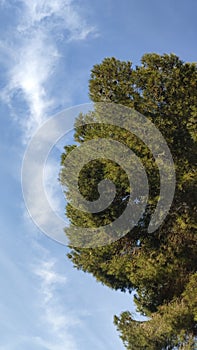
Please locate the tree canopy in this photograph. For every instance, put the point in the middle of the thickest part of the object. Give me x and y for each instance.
(160, 266)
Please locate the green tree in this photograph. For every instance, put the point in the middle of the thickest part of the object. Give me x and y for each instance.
(160, 266)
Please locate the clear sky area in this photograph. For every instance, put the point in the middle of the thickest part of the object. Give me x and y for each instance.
(47, 49)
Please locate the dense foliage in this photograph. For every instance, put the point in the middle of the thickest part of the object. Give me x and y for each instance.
(160, 267)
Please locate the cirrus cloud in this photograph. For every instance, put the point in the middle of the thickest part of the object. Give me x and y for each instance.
(31, 51)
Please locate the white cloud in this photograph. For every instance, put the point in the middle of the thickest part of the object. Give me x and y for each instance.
(56, 323)
(52, 186)
(49, 278)
(64, 344)
(53, 329)
(34, 66)
(34, 56)
(62, 14)
(42, 191)
(30, 55)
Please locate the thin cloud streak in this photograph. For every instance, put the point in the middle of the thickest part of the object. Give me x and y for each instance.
(28, 77)
(30, 56)
(57, 324)
(53, 189)
(61, 15)
(34, 57)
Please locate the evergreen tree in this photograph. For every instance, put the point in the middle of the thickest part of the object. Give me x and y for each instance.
(161, 266)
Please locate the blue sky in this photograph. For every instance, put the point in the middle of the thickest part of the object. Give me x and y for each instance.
(47, 49)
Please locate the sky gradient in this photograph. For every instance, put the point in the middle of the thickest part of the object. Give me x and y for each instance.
(47, 49)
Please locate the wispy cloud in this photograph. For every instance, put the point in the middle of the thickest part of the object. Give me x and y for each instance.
(32, 49)
(49, 278)
(45, 321)
(27, 78)
(57, 324)
(53, 188)
(60, 15)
